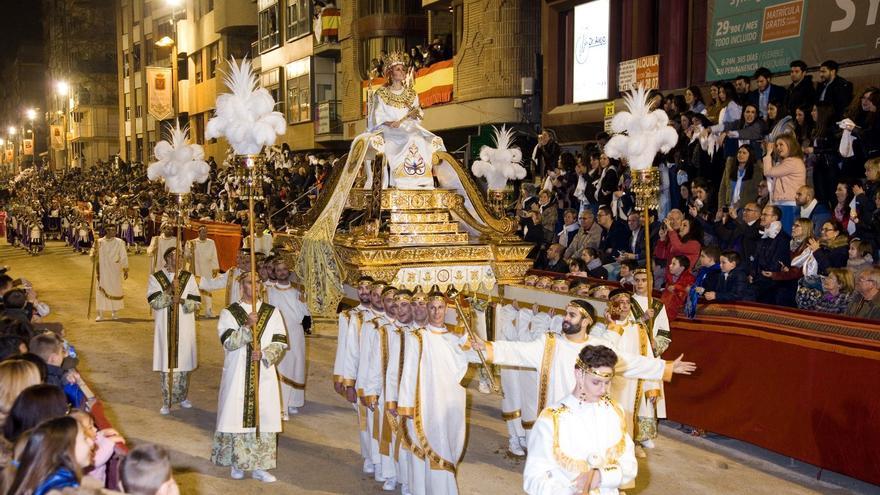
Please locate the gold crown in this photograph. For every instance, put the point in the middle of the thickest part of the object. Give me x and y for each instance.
(593, 371)
(394, 58)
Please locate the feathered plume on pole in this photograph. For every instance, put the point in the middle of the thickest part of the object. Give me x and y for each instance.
(246, 117)
(640, 133)
(500, 164)
(178, 163)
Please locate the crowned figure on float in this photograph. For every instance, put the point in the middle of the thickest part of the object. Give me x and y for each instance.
(394, 129)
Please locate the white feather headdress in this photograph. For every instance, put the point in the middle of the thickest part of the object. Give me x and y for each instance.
(501, 163)
(179, 163)
(640, 133)
(246, 116)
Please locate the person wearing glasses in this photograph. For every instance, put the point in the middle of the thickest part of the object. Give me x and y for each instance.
(866, 300)
(832, 248)
(771, 255)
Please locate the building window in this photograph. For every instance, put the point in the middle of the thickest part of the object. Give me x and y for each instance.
(457, 27)
(213, 59)
(197, 66)
(136, 56)
(164, 28)
(299, 18)
(399, 7)
(151, 51)
(127, 107)
(299, 94)
(198, 128)
(126, 65)
(203, 7)
(272, 82)
(139, 148)
(375, 48)
(138, 103)
(268, 24)
(238, 46)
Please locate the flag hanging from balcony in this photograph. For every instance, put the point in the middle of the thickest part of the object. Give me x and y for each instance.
(433, 84)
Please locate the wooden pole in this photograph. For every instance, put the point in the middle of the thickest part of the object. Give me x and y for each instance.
(175, 292)
(252, 170)
(647, 228)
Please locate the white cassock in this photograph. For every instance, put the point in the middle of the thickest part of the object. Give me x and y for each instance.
(156, 250)
(350, 323)
(632, 394)
(432, 395)
(237, 409)
(661, 339)
(292, 368)
(112, 260)
(411, 455)
(262, 242)
(589, 436)
(226, 281)
(380, 363)
(531, 326)
(186, 334)
(554, 357)
(203, 256)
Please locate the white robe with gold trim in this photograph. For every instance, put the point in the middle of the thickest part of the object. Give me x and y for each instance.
(112, 260)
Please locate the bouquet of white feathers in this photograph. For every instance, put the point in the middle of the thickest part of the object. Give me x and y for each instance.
(500, 164)
(640, 133)
(178, 163)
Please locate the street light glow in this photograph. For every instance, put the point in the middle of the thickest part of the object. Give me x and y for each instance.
(62, 88)
(11, 130)
(173, 3)
(31, 114)
(165, 42)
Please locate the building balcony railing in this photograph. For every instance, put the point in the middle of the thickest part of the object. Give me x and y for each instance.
(328, 120)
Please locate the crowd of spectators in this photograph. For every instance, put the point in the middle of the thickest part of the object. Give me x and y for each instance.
(771, 195)
(55, 438)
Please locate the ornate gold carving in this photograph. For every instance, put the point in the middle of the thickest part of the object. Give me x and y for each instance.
(429, 239)
(404, 99)
(424, 228)
(433, 217)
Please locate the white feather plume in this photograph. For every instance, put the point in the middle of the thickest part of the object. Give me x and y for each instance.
(178, 163)
(640, 133)
(501, 163)
(246, 116)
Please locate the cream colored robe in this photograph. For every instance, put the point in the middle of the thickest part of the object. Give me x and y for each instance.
(186, 338)
(231, 407)
(292, 368)
(590, 435)
(156, 250)
(112, 260)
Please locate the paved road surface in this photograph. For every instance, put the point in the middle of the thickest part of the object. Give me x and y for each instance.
(318, 452)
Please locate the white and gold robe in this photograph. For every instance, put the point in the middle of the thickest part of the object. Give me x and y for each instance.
(112, 261)
(263, 243)
(241, 383)
(292, 368)
(570, 438)
(203, 260)
(156, 250)
(632, 394)
(183, 340)
(227, 281)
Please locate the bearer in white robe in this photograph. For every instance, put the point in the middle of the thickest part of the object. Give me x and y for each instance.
(201, 254)
(228, 279)
(170, 343)
(262, 239)
(636, 396)
(411, 457)
(374, 361)
(350, 323)
(249, 406)
(159, 244)
(578, 444)
(554, 356)
(292, 368)
(112, 264)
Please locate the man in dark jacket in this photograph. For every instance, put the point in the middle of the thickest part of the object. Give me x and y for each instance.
(833, 88)
(546, 153)
(740, 234)
(733, 283)
(765, 92)
(801, 90)
(553, 261)
(772, 253)
(615, 235)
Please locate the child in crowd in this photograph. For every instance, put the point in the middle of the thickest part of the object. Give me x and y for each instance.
(146, 470)
(625, 275)
(859, 255)
(733, 284)
(594, 268)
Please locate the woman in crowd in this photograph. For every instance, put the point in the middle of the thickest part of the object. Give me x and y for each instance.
(823, 148)
(714, 107)
(34, 405)
(15, 375)
(801, 235)
(843, 196)
(804, 124)
(832, 250)
(682, 242)
(788, 176)
(53, 458)
(742, 178)
(778, 120)
(867, 125)
(608, 180)
(833, 297)
(549, 215)
(694, 99)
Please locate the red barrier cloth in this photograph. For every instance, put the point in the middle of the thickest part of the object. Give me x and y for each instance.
(797, 383)
(226, 236)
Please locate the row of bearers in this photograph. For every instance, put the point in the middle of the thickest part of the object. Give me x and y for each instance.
(401, 368)
(264, 365)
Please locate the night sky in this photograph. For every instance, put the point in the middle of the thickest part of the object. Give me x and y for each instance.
(19, 20)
